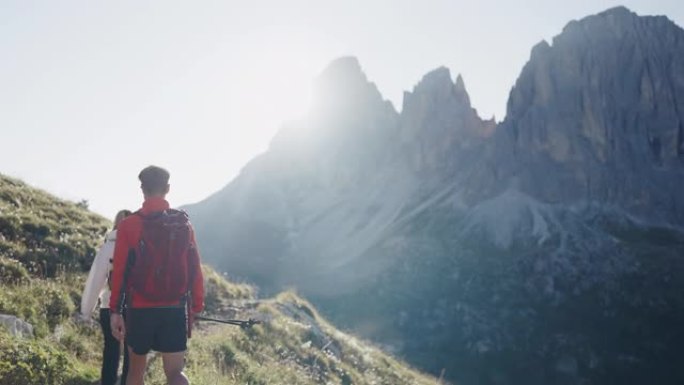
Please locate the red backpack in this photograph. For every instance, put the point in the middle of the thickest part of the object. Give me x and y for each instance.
(165, 259)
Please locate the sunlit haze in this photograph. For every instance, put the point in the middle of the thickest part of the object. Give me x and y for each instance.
(91, 92)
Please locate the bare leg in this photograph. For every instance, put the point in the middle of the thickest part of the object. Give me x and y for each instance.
(173, 368)
(136, 368)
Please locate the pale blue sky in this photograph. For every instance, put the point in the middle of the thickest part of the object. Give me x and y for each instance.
(92, 91)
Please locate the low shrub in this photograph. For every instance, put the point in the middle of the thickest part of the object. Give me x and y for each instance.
(12, 272)
(42, 303)
(29, 362)
(58, 305)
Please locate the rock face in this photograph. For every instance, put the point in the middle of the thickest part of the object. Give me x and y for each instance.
(438, 122)
(16, 326)
(601, 114)
(544, 249)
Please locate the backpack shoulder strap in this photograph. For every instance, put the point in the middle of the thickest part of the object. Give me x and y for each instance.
(123, 295)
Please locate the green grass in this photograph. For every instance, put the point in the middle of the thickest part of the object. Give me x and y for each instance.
(47, 245)
(295, 346)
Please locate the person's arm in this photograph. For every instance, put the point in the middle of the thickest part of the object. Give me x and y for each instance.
(119, 262)
(96, 279)
(198, 281)
(118, 267)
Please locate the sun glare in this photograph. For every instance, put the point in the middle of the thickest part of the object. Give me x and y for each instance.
(281, 66)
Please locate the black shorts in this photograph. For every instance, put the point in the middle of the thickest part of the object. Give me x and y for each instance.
(162, 329)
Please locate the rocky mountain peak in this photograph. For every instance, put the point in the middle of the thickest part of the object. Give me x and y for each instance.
(345, 68)
(460, 89)
(343, 88)
(619, 10)
(438, 122)
(435, 92)
(348, 114)
(617, 18)
(438, 85)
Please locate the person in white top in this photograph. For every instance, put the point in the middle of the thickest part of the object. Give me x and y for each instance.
(97, 291)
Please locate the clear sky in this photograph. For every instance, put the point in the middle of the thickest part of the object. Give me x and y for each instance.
(92, 91)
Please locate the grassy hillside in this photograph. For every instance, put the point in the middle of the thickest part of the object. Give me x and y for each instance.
(45, 233)
(46, 246)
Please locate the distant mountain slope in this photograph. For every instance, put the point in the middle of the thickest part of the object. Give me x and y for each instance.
(539, 250)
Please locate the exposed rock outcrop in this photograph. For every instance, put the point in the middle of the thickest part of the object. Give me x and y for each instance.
(16, 326)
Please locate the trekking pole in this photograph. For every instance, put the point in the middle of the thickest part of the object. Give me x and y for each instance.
(244, 324)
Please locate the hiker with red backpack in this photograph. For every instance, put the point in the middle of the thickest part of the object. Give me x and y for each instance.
(157, 275)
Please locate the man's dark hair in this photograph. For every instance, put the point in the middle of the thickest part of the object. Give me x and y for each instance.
(154, 180)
